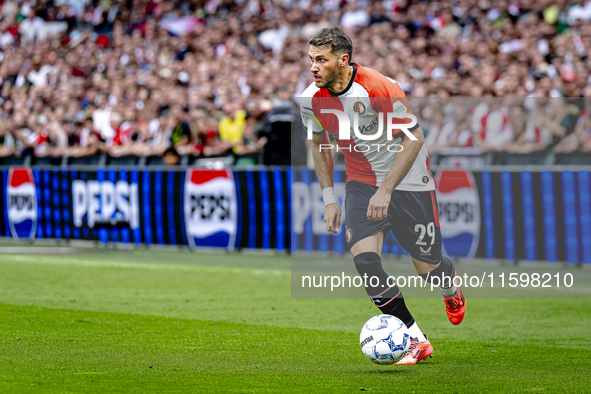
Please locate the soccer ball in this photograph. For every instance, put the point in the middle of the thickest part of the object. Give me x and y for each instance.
(384, 339)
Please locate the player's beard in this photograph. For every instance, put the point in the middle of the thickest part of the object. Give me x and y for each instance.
(331, 78)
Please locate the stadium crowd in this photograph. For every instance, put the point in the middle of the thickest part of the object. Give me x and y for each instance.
(197, 78)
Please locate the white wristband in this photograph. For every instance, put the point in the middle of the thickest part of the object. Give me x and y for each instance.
(328, 196)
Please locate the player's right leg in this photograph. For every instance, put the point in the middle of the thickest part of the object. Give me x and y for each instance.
(388, 299)
(368, 262)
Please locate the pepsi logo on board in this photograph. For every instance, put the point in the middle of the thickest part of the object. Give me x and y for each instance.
(459, 212)
(210, 208)
(22, 203)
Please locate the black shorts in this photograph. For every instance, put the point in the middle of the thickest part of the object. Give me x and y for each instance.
(412, 217)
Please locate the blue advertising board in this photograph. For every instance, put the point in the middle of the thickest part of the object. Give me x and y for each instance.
(497, 214)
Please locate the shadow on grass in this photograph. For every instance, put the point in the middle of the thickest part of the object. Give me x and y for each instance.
(396, 369)
(388, 370)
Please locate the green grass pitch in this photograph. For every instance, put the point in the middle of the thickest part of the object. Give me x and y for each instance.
(163, 321)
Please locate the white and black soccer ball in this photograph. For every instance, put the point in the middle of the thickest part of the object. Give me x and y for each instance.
(384, 339)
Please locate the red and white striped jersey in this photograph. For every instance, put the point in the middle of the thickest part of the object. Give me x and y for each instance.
(492, 125)
(368, 94)
(533, 133)
(584, 122)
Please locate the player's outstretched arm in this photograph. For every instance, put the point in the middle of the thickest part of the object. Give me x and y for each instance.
(325, 170)
(378, 205)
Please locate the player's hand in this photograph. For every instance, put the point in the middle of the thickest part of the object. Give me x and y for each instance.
(378, 206)
(332, 217)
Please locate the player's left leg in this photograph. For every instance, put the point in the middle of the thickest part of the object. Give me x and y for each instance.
(442, 276)
(418, 232)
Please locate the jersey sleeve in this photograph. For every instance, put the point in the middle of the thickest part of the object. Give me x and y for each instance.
(390, 98)
(309, 116)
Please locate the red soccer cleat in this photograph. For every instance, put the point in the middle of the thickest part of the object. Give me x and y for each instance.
(455, 307)
(416, 352)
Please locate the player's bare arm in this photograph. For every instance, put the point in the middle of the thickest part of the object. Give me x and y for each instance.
(331, 71)
(323, 160)
(378, 205)
(325, 169)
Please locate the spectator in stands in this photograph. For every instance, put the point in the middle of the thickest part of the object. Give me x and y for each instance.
(83, 142)
(527, 136)
(180, 136)
(275, 131)
(39, 75)
(580, 139)
(490, 125)
(231, 127)
(101, 117)
(208, 144)
(584, 133)
(171, 157)
(559, 118)
(355, 17)
(102, 57)
(454, 130)
(32, 27)
(56, 139)
(7, 146)
(110, 133)
(435, 120)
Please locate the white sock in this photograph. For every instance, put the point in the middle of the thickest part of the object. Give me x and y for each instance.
(449, 292)
(415, 332)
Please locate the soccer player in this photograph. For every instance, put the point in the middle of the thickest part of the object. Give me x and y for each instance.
(389, 186)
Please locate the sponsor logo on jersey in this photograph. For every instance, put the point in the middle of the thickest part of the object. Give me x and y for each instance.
(459, 212)
(22, 203)
(365, 129)
(210, 208)
(310, 115)
(95, 201)
(425, 251)
(398, 107)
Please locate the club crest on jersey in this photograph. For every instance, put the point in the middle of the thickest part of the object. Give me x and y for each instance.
(359, 107)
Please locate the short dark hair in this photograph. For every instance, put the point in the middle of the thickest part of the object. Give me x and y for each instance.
(171, 150)
(336, 37)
